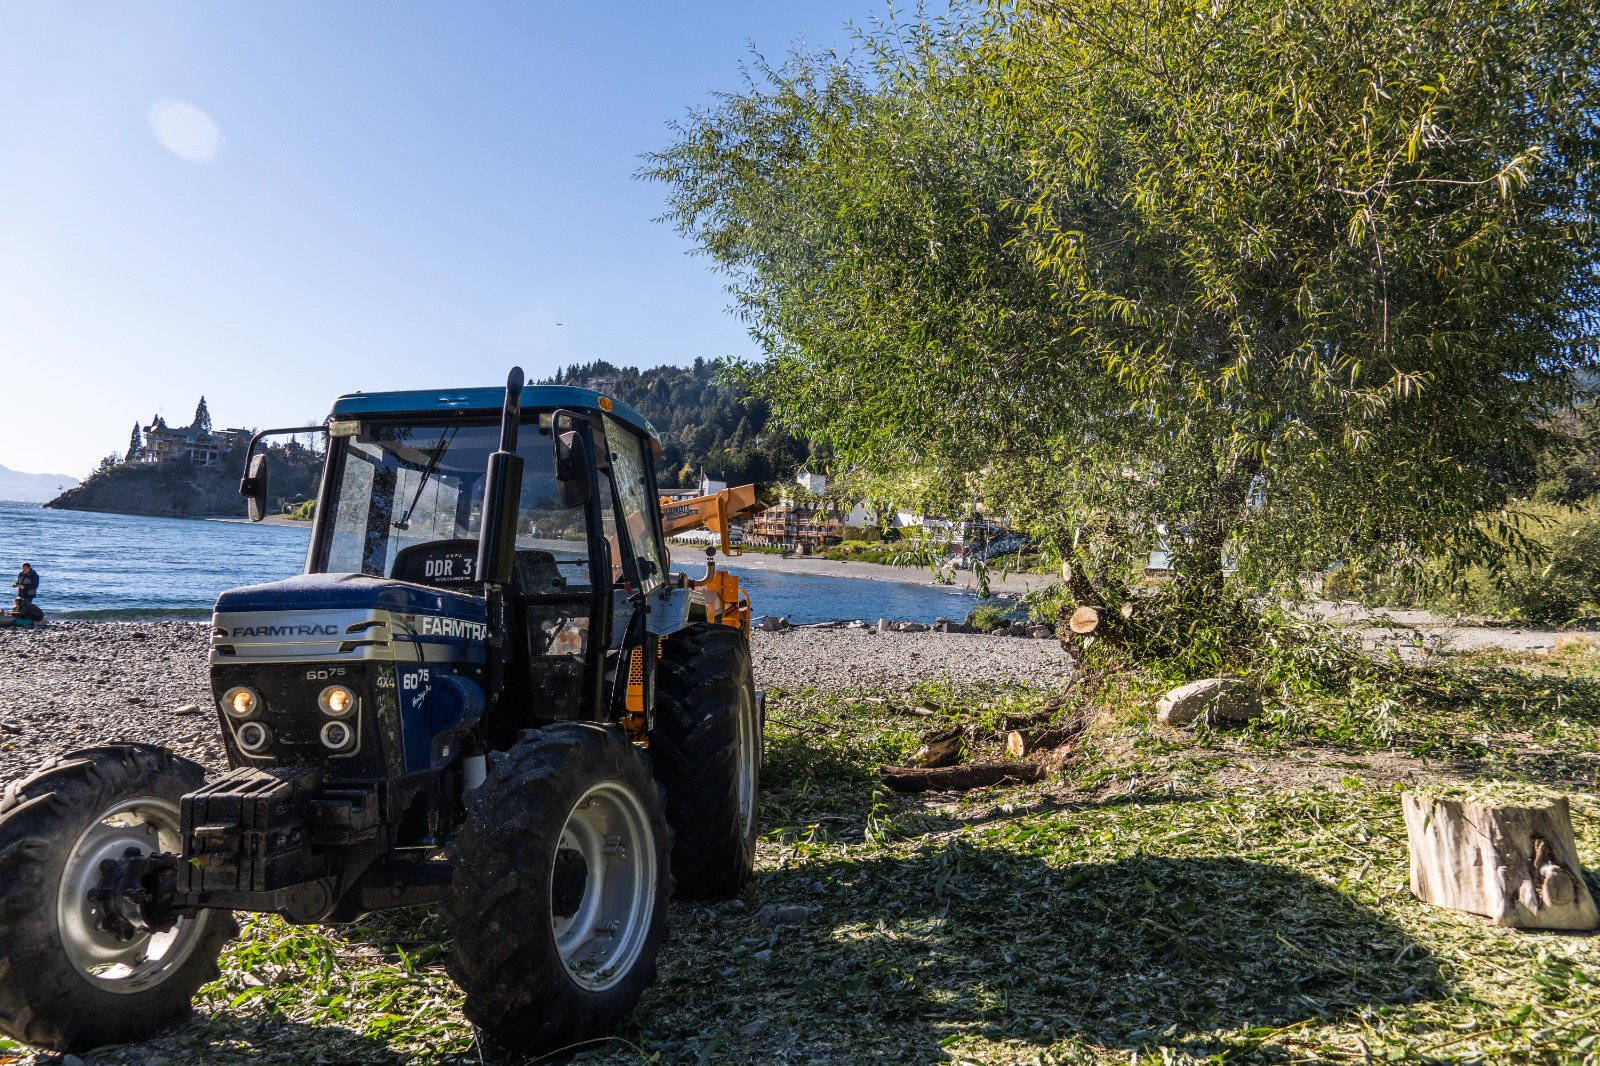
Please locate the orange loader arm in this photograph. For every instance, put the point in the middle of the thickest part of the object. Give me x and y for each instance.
(711, 512)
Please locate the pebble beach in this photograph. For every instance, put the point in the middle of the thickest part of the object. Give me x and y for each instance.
(76, 684)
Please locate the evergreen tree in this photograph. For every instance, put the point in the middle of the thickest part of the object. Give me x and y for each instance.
(135, 442)
(202, 417)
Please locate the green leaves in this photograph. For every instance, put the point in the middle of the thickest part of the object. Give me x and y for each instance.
(1295, 282)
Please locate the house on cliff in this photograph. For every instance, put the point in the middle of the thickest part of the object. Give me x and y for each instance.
(201, 445)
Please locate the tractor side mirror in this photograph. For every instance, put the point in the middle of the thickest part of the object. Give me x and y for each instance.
(253, 486)
(573, 459)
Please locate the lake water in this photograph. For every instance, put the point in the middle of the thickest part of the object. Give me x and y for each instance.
(129, 567)
(112, 566)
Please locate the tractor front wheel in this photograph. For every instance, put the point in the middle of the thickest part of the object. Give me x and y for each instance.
(67, 981)
(557, 905)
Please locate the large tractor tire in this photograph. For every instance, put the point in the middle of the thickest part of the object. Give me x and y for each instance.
(705, 749)
(65, 983)
(562, 875)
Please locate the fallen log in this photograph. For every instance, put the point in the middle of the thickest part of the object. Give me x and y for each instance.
(1056, 735)
(1512, 860)
(960, 778)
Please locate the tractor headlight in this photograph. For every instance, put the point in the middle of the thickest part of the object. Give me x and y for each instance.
(240, 702)
(337, 735)
(337, 701)
(253, 736)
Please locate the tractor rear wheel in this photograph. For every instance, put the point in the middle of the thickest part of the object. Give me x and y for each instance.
(66, 983)
(561, 881)
(705, 749)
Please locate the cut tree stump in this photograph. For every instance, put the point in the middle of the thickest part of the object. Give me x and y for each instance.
(1516, 865)
(1084, 620)
(942, 747)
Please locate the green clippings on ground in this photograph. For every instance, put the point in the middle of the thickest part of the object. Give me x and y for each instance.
(1175, 897)
(1492, 793)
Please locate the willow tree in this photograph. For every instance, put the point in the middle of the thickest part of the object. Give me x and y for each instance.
(1291, 280)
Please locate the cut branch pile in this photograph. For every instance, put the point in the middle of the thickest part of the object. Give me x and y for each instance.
(1036, 751)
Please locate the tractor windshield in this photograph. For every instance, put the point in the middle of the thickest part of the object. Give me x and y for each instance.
(398, 485)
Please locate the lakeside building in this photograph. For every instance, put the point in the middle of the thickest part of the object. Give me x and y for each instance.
(806, 518)
(199, 445)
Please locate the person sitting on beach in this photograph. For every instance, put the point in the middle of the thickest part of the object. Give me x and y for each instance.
(24, 613)
(27, 583)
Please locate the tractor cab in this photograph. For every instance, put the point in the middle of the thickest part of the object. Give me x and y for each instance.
(397, 561)
(407, 491)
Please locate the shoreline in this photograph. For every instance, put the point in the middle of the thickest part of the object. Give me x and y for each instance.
(691, 559)
(269, 520)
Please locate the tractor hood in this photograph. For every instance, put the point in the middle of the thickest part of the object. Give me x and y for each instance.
(328, 617)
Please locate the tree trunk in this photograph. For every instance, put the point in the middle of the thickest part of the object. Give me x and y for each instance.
(1516, 866)
(1074, 573)
(1202, 559)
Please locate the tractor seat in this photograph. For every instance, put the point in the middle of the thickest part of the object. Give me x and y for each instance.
(536, 574)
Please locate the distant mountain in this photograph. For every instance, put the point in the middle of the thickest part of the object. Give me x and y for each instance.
(32, 488)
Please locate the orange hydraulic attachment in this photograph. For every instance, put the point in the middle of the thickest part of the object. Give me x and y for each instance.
(712, 512)
(726, 603)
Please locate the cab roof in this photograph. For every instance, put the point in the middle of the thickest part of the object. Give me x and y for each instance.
(489, 401)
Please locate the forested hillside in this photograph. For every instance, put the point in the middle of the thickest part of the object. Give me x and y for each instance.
(704, 425)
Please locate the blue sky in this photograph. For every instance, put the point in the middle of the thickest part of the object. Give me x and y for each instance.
(271, 204)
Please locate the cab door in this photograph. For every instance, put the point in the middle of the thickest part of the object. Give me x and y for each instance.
(638, 520)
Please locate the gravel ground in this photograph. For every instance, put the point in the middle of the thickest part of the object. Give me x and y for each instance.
(1412, 633)
(75, 684)
(865, 659)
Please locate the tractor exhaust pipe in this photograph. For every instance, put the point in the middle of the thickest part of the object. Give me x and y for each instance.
(497, 536)
(497, 532)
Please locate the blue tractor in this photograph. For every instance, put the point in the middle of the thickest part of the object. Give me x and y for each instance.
(487, 691)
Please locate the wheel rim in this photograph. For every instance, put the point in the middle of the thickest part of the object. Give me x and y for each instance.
(749, 764)
(603, 886)
(148, 825)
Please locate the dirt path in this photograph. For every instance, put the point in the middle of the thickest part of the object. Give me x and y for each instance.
(1414, 634)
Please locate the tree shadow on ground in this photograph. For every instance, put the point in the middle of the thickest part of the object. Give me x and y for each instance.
(245, 1038)
(901, 955)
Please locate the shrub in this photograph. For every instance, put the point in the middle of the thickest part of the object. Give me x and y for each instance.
(859, 551)
(987, 619)
(1562, 586)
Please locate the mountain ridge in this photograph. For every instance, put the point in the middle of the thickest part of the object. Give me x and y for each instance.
(23, 487)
